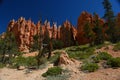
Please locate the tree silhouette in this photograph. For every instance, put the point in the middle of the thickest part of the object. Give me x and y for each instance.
(110, 20)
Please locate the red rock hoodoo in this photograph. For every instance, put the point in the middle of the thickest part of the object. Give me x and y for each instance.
(24, 30)
(82, 20)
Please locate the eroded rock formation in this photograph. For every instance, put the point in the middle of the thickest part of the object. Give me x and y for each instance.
(82, 20)
(24, 31)
(65, 60)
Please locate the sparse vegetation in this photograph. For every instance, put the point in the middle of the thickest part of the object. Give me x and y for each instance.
(80, 52)
(117, 46)
(89, 67)
(53, 71)
(96, 59)
(9, 47)
(104, 56)
(1, 65)
(114, 62)
(43, 60)
(22, 61)
(55, 57)
(58, 77)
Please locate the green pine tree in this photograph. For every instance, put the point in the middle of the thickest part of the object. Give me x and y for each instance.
(110, 20)
(88, 33)
(99, 39)
(8, 46)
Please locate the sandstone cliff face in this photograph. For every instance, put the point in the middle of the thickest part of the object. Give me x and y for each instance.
(82, 20)
(24, 31)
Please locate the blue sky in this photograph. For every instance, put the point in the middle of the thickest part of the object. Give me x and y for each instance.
(57, 10)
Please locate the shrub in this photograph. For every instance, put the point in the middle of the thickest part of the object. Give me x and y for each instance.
(53, 71)
(104, 56)
(58, 77)
(96, 59)
(19, 61)
(22, 61)
(90, 67)
(31, 61)
(80, 53)
(117, 47)
(114, 62)
(100, 46)
(2, 65)
(43, 60)
(55, 57)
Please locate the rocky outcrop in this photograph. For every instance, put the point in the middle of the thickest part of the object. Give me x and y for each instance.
(82, 20)
(65, 60)
(24, 30)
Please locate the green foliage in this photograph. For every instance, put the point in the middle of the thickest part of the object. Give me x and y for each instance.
(68, 35)
(90, 67)
(53, 71)
(100, 46)
(8, 46)
(46, 36)
(35, 45)
(55, 57)
(99, 36)
(104, 56)
(112, 31)
(19, 61)
(58, 77)
(117, 47)
(82, 52)
(114, 62)
(31, 61)
(64, 76)
(2, 65)
(22, 61)
(57, 44)
(88, 31)
(43, 60)
(109, 15)
(96, 59)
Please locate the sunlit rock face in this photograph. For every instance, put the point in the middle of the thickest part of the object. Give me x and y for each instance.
(24, 30)
(82, 20)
